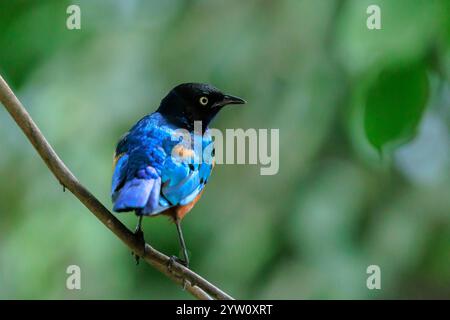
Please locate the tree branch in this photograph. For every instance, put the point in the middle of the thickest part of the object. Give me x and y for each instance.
(195, 284)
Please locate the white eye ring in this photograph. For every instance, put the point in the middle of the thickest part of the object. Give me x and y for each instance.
(203, 101)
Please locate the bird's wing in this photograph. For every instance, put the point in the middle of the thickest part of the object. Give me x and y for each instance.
(148, 178)
(184, 177)
(120, 162)
(136, 182)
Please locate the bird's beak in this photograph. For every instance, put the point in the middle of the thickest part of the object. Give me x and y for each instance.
(228, 99)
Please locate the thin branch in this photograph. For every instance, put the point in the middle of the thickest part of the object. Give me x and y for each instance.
(195, 284)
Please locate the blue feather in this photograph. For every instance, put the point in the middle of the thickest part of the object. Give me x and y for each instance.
(146, 177)
(134, 194)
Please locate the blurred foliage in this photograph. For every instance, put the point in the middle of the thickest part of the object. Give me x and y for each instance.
(311, 69)
(395, 103)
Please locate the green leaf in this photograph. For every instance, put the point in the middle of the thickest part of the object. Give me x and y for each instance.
(394, 105)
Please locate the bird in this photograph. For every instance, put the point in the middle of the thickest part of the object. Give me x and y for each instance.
(156, 172)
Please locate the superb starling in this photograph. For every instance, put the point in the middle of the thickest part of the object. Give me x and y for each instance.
(148, 179)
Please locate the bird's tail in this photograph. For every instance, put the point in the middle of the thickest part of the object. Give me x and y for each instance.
(140, 195)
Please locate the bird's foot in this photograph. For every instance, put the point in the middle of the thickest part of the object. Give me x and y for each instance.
(139, 234)
(170, 263)
(174, 259)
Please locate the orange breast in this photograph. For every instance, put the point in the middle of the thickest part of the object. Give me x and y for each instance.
(179, 212)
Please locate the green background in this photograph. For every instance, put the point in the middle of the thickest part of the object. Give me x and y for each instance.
(364, 145)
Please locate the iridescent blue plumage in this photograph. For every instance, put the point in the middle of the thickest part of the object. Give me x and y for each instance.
(147, 178)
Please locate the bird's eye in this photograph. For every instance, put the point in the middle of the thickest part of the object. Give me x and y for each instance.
(203, 101)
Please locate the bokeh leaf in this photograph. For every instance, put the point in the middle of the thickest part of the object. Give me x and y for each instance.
(394, 104)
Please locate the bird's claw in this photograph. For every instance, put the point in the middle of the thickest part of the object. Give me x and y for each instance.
(170, 263)
(174, 259)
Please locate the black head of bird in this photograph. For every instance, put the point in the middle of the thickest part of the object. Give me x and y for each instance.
(189, 102)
